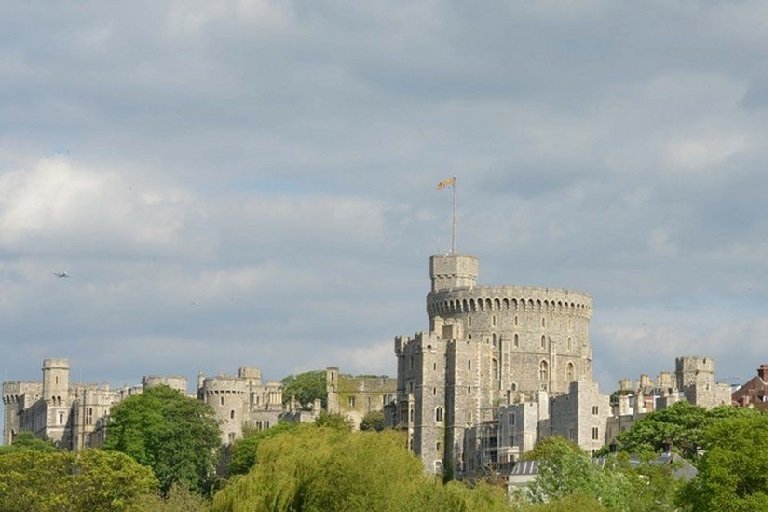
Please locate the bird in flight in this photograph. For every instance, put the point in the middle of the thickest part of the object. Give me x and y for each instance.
(61, 274)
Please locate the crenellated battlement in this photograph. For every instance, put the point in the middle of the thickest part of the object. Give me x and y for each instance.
(510, 298)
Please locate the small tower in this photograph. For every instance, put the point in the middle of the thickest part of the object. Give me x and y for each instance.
(452, 271)
(55, 380)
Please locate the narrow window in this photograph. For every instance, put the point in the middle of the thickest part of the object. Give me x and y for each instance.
(515, 320)
(543, 370)
(517, 340)
(543, 342)
(595, 410)
(595, 433)
(569, 372)
(495, 369)
(232, 414)
(222, 400)
(569, 344)
(494, 320)
(439, 415)
(543, 322)
(351, 401)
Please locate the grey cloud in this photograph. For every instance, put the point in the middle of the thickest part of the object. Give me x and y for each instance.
(610, 147)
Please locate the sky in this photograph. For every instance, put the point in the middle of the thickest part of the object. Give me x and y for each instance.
(253, 183)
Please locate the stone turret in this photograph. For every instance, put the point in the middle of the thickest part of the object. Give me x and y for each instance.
(55, 380)
(452, 271)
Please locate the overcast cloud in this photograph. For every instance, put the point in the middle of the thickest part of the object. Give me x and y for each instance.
(253, 182)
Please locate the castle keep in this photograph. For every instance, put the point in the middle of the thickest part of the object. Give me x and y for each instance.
(486, 346)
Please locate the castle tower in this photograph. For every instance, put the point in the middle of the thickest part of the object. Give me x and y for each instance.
(228, 397)
(55, 380)
(486, 346)
(452, 271)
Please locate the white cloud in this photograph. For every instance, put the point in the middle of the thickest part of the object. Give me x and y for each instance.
(57, 205)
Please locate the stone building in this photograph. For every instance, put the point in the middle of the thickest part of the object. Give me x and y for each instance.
(241, 400)
(69, 414)
(693, 381)
(75, 415)
(354, 397)
(487, 346)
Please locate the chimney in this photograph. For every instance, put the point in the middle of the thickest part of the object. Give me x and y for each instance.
(762, 372)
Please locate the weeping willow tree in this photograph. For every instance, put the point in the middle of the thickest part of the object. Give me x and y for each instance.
(317, 468)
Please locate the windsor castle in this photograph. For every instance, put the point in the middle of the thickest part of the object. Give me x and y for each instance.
(499, 368)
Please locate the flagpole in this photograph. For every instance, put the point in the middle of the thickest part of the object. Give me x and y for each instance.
(453, 240)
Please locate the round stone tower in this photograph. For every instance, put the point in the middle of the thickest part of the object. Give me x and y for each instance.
(228, 397)
(537, 338)
(55, 380)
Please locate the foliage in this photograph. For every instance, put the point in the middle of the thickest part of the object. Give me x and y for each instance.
(317, 469)
(552, 447)
(373, 420)
(28, 441)
(567, 477)
(683, 424)
(244, 449)
(569, 503)
(306, 388)
(733, 473)
(87, 481)
(334, 421)
(178, 499)
(173, 434)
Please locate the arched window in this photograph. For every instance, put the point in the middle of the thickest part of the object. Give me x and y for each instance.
(517, 340)
(495, 366)
(439, 415)
(543, 342)
(569, 373)
(543, 371)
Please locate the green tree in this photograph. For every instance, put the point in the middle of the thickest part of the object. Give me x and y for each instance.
(85, 481)
(244, 449)
(334, 421)
(177, 499)
(373, 420)
(682, 424)
(175, 435)
(28, 441)
(567, 477)
(733, 472)
(306, 388)
(316, 469)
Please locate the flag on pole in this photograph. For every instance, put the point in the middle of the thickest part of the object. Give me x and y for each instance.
(447, 182)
